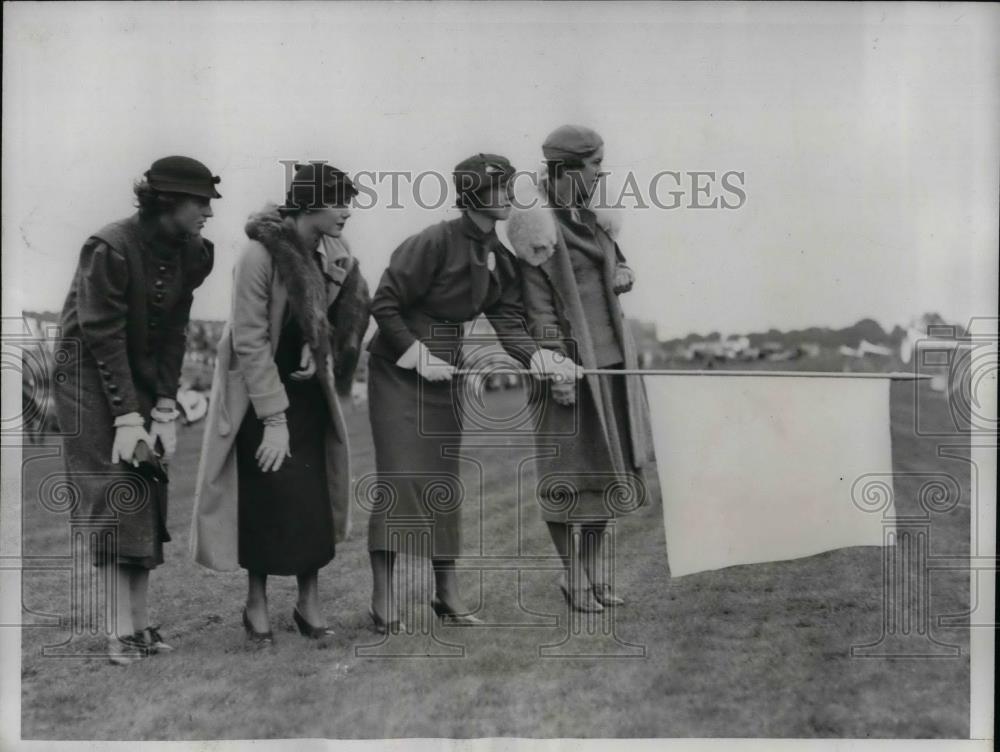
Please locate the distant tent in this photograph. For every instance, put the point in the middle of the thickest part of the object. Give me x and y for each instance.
(867, 348)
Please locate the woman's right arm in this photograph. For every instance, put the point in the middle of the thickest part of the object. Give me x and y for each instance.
(102, 310)
(555, 357)
(250, 329)
(409, 276)
(540, 309)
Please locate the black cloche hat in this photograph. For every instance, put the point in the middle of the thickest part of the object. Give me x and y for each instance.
(182, 175)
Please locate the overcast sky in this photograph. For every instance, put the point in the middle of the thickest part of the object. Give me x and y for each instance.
(867, 136)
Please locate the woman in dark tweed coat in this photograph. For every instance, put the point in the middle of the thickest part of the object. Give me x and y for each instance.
(119, 360)
(437, 280)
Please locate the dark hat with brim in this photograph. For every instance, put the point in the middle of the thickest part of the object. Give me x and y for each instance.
(183, 175)
(480, 173)
(317, 185)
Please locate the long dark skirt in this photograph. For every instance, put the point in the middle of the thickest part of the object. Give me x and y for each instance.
(581, 484)
(285, 517)
(125, 512)
(415, 424)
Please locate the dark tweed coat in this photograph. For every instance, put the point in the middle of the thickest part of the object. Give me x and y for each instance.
(122, 344)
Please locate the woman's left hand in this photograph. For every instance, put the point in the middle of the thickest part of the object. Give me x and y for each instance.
(167, 434)
(274, 447)
(307, 365)
(624, 279)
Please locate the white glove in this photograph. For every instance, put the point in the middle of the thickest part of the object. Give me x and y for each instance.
(426, 363)
(624, 279)
(307, 365)
(167, 433)
(126, 437)
(564, 393)
(554, 365)
(273, 447)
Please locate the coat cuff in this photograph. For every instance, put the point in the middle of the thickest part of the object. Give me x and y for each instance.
(411, 357)
(268, 404)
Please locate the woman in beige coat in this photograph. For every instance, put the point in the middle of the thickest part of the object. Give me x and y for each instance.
(273, 485)
(572, 274)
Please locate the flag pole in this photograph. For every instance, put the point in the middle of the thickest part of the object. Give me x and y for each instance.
(893, 375)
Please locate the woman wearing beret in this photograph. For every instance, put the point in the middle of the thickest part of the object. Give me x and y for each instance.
(119, 361)
(273, 484)
(573, 272)
(437, 280)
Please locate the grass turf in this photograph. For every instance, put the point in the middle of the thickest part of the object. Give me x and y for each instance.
(754, 651)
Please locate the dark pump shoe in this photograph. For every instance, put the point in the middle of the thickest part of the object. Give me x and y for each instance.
(452, 618)
(382, 626)
(308, 630)
(258, 638)
(586, 602)
(151, 641)
(606, 596)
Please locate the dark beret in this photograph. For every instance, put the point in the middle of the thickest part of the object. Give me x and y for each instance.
(571, 142)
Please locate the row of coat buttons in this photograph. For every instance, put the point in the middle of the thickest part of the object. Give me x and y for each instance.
(159, 284)
(112, 386)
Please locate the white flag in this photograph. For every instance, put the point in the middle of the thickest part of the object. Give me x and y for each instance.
(761, 468)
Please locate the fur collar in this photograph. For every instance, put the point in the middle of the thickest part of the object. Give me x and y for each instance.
(299, 273)
(533, 229)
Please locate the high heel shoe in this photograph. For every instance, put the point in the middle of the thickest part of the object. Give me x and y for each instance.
(382, 626)
(587, 603)
(150, 641)
(606, 596)
(258, 638)
(308, 630)
(124, 651)
(452, 618)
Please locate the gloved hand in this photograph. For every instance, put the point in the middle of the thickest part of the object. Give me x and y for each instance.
(273, 447)
(126, 437)
(564, 393)
(435, 369)
(624, 279)
(555, 366)
(431, 367)
(167, 433)
(307, 365)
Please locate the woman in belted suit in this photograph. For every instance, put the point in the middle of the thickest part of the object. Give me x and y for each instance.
(437, 280)
(273, 486)
(573, 273)
(119, 361)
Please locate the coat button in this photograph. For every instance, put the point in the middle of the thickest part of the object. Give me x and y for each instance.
(100, 364)
(158, 284)
(162, 269)
(112, 388)
(116, 400)
(158, 297)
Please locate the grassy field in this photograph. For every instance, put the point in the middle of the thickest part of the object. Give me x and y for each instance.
(751, 651)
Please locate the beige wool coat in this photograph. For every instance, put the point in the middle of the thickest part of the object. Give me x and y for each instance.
(245, 373)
